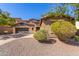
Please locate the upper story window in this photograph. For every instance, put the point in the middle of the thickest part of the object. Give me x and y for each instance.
(22, 24)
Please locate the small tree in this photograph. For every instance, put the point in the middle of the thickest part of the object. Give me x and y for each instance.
(59, 10)
(76, 10)
(6, 20)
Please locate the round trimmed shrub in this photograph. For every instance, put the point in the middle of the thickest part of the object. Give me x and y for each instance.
(63, 29)
(40, 35)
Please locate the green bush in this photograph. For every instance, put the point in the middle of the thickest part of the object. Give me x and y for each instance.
(40, 35)
(77, 38)
(63, 29)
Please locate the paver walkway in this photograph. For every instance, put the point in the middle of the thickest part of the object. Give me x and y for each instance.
(31, 47)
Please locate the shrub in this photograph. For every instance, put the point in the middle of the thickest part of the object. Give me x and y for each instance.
(40, 35)
(77, 38)
(63, 29)
(77, 33)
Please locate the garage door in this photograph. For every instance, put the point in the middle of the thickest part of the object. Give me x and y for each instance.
(21, 29)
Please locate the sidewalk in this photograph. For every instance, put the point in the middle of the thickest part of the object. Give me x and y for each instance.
(11, 39)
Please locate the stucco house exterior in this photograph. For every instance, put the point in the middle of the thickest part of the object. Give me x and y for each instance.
(5, 29)
(21, 25)
(34, 25)
(28, 25)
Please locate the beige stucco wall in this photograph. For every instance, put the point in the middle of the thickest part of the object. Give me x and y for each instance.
(6, 30)
(77, 24)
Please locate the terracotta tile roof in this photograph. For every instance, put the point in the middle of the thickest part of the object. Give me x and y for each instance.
(30, 22)
(18, 20)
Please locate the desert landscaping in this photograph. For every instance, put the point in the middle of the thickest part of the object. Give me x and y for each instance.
(55, 33)
(31, 47)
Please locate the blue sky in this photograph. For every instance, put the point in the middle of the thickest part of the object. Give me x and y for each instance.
(27, 10)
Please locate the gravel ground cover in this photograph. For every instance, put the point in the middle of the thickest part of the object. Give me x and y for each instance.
(31, 47)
